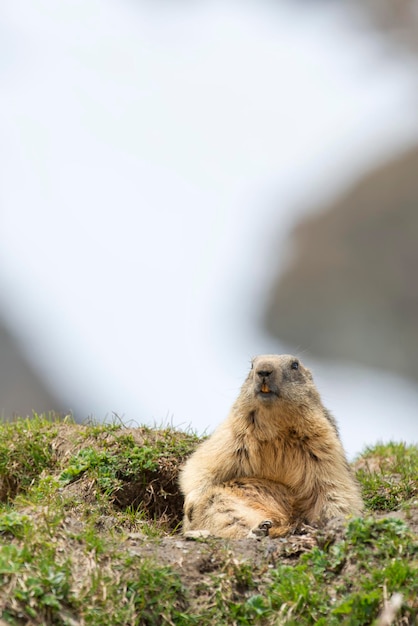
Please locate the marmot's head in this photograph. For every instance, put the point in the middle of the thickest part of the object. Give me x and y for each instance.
(274, 378)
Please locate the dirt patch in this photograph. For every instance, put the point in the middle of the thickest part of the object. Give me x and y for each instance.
(197, 560)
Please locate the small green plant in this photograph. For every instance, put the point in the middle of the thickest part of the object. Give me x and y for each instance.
(44, 592)
(14, 523)
(89, 459)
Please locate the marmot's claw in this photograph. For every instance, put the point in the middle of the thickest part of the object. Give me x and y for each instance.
(262, 530)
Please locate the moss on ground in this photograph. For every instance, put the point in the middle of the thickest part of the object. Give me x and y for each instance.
(88, 535)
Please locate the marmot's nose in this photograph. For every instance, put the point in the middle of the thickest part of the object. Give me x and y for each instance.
(264, 373)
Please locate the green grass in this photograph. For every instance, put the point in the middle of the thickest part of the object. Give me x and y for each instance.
(82, 539)
(389, 476)
(25, 451)
(42, 589)
(342, 584)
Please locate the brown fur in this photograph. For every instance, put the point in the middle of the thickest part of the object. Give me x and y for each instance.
(277, 457)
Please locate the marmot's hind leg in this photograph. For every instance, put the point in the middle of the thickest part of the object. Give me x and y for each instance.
(222, 514)
(241, 508)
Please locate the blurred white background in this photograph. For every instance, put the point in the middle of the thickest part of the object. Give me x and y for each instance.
(154, 157)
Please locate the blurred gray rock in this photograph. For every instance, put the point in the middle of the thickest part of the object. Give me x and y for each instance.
(396, 18)
(350, 290)
(22, 390)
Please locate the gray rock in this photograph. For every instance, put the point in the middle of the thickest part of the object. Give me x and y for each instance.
(351, 289)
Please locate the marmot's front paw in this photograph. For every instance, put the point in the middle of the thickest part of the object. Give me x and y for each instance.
(262, 530)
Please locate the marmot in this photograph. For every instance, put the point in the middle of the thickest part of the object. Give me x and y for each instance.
(276, 462)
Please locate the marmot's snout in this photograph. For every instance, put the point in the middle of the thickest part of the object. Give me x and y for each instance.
(265, 383)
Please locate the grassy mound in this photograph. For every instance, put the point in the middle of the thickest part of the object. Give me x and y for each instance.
(89, 519)
(119, 468)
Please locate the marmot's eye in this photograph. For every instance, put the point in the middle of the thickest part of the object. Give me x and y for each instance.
(295, 365)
